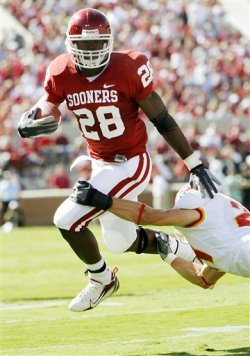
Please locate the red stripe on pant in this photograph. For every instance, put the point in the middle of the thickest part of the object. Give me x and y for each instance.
(87, 217)
(143, 178)
(126, 181)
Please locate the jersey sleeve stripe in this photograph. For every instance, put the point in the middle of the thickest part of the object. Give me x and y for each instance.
(200, 219)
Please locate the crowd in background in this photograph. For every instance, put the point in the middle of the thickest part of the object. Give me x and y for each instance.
(201, 69)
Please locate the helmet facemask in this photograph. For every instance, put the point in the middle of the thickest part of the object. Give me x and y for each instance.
(90, 59)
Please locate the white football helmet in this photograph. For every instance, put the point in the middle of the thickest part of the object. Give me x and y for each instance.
(89, 25)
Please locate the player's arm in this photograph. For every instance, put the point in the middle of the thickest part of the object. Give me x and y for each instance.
(85, 194)
(28, 126)
(202, 276)
(143, 214)
(155, 110)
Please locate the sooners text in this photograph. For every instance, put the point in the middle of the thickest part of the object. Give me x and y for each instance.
(92, 96)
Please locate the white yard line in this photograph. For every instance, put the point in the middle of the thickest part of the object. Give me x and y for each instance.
(101, 314)
(223, 329)
(44, 304)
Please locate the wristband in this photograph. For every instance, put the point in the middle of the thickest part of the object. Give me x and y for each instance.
(192, 160)
(142, 207)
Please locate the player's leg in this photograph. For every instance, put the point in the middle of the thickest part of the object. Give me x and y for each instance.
(72, 220)
(123, 236)
(84, 245)
(146, 242)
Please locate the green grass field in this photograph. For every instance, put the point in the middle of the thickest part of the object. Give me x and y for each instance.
(155, 311)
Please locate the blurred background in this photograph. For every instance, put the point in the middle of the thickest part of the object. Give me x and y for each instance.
(201, 58)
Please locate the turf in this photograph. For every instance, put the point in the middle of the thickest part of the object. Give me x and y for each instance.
(155, 311)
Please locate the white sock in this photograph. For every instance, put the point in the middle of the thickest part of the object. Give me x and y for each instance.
(104, 276)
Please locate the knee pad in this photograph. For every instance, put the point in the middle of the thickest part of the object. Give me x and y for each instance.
(142, 240)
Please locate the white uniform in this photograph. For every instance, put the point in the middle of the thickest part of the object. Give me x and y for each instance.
(221, 236)
(123, 180)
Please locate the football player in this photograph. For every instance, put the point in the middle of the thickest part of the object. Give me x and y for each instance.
(217, 229)
(105, 90)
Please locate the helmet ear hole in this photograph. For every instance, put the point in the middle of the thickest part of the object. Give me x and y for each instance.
(85, 26)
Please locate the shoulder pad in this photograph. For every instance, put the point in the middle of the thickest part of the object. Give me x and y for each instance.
(59, 64)
(130, 56)
(136, 55)
(188, 198)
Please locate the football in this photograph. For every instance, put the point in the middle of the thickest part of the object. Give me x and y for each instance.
(47, 108)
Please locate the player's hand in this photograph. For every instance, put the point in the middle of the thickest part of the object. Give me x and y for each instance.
(29, 127)
(205, 179)
(85, 194)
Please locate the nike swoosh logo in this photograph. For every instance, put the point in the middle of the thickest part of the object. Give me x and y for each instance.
(94, 304)
(105, 86)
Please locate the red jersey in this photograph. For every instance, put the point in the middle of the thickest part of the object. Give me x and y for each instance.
(106, 108)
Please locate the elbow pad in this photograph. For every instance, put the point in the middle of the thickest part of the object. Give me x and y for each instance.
(164, 122)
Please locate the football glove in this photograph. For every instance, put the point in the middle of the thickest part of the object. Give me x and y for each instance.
(29, 127)
(205, 180)
(85, 194)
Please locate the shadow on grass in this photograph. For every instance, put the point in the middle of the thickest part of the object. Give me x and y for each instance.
(242, 351)
(41, 299)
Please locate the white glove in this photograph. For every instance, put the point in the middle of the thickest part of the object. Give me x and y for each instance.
(28, 126)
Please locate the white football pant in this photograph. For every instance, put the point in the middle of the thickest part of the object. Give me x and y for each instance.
(122, 180)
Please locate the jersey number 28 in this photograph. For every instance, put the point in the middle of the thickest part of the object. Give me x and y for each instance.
(109, 118)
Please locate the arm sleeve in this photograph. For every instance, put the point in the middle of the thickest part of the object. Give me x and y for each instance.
(141, 76)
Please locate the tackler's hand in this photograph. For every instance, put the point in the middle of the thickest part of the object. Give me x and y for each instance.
(28, 126)
(85, 194)
(205, 179)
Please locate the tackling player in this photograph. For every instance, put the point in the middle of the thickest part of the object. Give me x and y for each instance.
(105, 90)
(217, 229)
